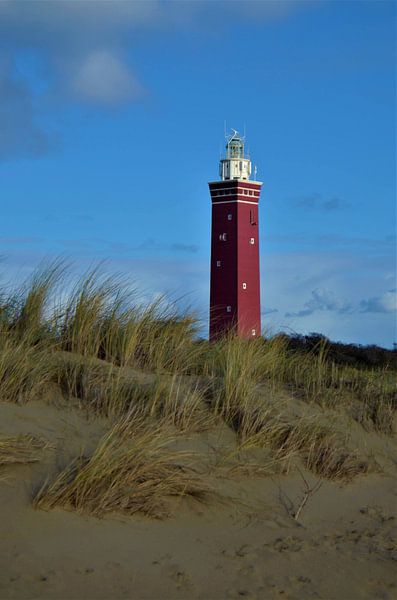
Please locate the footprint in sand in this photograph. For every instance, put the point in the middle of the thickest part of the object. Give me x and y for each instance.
(377, 513)
(174, 571)
(246, 551)
(288, 544)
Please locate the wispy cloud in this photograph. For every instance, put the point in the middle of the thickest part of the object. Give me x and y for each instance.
(188, 248)
(20, 240)
(150, 246)
(325, 300)
(103, 77)
(153, 245)
(385, 303)
(317, 203)
(321, 299)
(333, 241)
(22, 136)
(68, 218)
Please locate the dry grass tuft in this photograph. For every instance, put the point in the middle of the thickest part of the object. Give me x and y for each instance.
(25, 312)
(101, 388)
(321, 448)
(108, 390)
(101, 319)
(20, 449)
(25, 370)
(178, 403)
(132, 470)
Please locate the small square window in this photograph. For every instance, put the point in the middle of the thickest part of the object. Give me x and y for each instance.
(253, 332)
(244, 286)
(218, 263)
(252, 241)
(228, 309)
(250, 192)
(229, 217)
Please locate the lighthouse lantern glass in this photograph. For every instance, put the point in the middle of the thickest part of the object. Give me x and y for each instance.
(235, 147)
(235, 165)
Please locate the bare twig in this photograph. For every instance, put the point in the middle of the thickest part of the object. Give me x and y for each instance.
(308, 492)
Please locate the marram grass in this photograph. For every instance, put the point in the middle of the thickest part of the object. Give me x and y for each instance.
(20, 449)
(25, 370)
(132, 470)
(108, 390)
(144, 366)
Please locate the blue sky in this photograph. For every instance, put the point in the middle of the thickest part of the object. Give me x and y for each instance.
(111, 121)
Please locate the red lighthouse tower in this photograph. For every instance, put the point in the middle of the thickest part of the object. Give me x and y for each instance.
(235, 279)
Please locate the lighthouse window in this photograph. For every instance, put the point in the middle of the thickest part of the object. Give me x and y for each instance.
(218, 263)
(222, 237)
(252, 241)
(253, 332)
(229, 217)
(228, 309)
(244, 286)
(250, 192)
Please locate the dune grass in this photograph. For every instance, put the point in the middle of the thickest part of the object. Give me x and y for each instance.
(99, 319)
(132, 470)
(321, 448)
(25, 370)
(108, 390)
(20, 449)
(25, 312)
(144, 366)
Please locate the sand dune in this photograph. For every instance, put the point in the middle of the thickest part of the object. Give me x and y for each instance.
(245, 544)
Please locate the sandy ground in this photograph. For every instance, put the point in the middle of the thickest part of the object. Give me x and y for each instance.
(343, 547)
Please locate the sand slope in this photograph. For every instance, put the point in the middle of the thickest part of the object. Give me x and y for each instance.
(343, 547)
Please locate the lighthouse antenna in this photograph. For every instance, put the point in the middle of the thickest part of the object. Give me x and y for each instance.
(232, 135)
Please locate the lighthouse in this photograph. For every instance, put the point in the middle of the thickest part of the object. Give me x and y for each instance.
(235, 278)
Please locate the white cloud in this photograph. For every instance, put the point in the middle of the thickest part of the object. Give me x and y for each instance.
(385, 303)
(102, 77)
